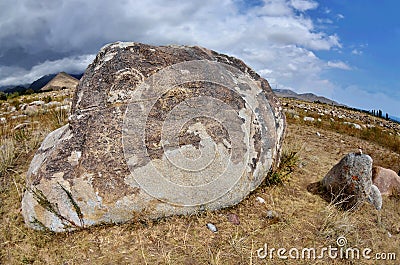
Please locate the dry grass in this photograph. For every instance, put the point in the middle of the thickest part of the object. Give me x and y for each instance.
(304, 218)
(7, 155)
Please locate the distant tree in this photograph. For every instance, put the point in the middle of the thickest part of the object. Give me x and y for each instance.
(380, 113)
(387, 116)
(3, 96)
(13, 95)
(29, 91)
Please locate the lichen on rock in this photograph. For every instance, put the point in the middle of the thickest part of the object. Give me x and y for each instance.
(155, 130)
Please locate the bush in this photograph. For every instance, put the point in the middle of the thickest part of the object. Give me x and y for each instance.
(47, 99)
(29, 91)
(3, 96)
(13, 95)
(289, 160)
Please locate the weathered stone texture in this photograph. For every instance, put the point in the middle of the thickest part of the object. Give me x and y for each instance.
(387, 181)
(88, 170)
(350, 182)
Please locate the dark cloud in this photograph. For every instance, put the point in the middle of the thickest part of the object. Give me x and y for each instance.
(270, 35)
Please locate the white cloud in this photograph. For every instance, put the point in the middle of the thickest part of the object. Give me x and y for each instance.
(356, 52)
(271, 37)
(338, 65)
(324, 21)
(304, 5)
(14, 75)
(339, 16)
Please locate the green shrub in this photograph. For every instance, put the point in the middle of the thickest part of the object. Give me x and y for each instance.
(3, 96)
(281, 174)
(13, 95)
(47, 99)
(29, 91)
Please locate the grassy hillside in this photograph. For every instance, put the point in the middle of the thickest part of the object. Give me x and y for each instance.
(294, 214)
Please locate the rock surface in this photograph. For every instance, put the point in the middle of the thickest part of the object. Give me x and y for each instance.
(350, 182)
(387, 181)
(155, 131)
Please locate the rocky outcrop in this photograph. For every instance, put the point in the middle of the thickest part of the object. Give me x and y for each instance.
(155, 131)
(387, 181)
(350, 182)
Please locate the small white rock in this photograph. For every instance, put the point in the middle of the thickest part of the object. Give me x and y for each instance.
(37, 103)
(318, 134)
(212, 227)
(270, 214)
(260, 200)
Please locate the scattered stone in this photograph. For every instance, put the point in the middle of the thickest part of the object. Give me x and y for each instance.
(31, 110)
(318, 134)
(3, 120)
(349, 182)
(260, 200)
(212, 227)
(233, 218)
(310, 119)
(354, 125)
(52, 104)
(64, 107)
(11, 109)
(21, 116)
(270, 214)
(387, 181)
(20, 126)
(113, 160)
(23, 106)
(375, 197)
(37, 103)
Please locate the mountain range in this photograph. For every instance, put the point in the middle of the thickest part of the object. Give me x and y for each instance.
(310, 97)
(61, 81)
(40, 83)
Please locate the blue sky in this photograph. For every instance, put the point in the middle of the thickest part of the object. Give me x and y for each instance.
(370, 35)
(345, 50)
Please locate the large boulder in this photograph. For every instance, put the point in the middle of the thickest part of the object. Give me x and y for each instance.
(155, 131)
(387, 181)
(349, 182)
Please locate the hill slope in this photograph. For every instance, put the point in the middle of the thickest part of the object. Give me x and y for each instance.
(309, 97)
(61, 81)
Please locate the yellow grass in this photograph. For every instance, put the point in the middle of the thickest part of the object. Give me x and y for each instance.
(305, 219)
